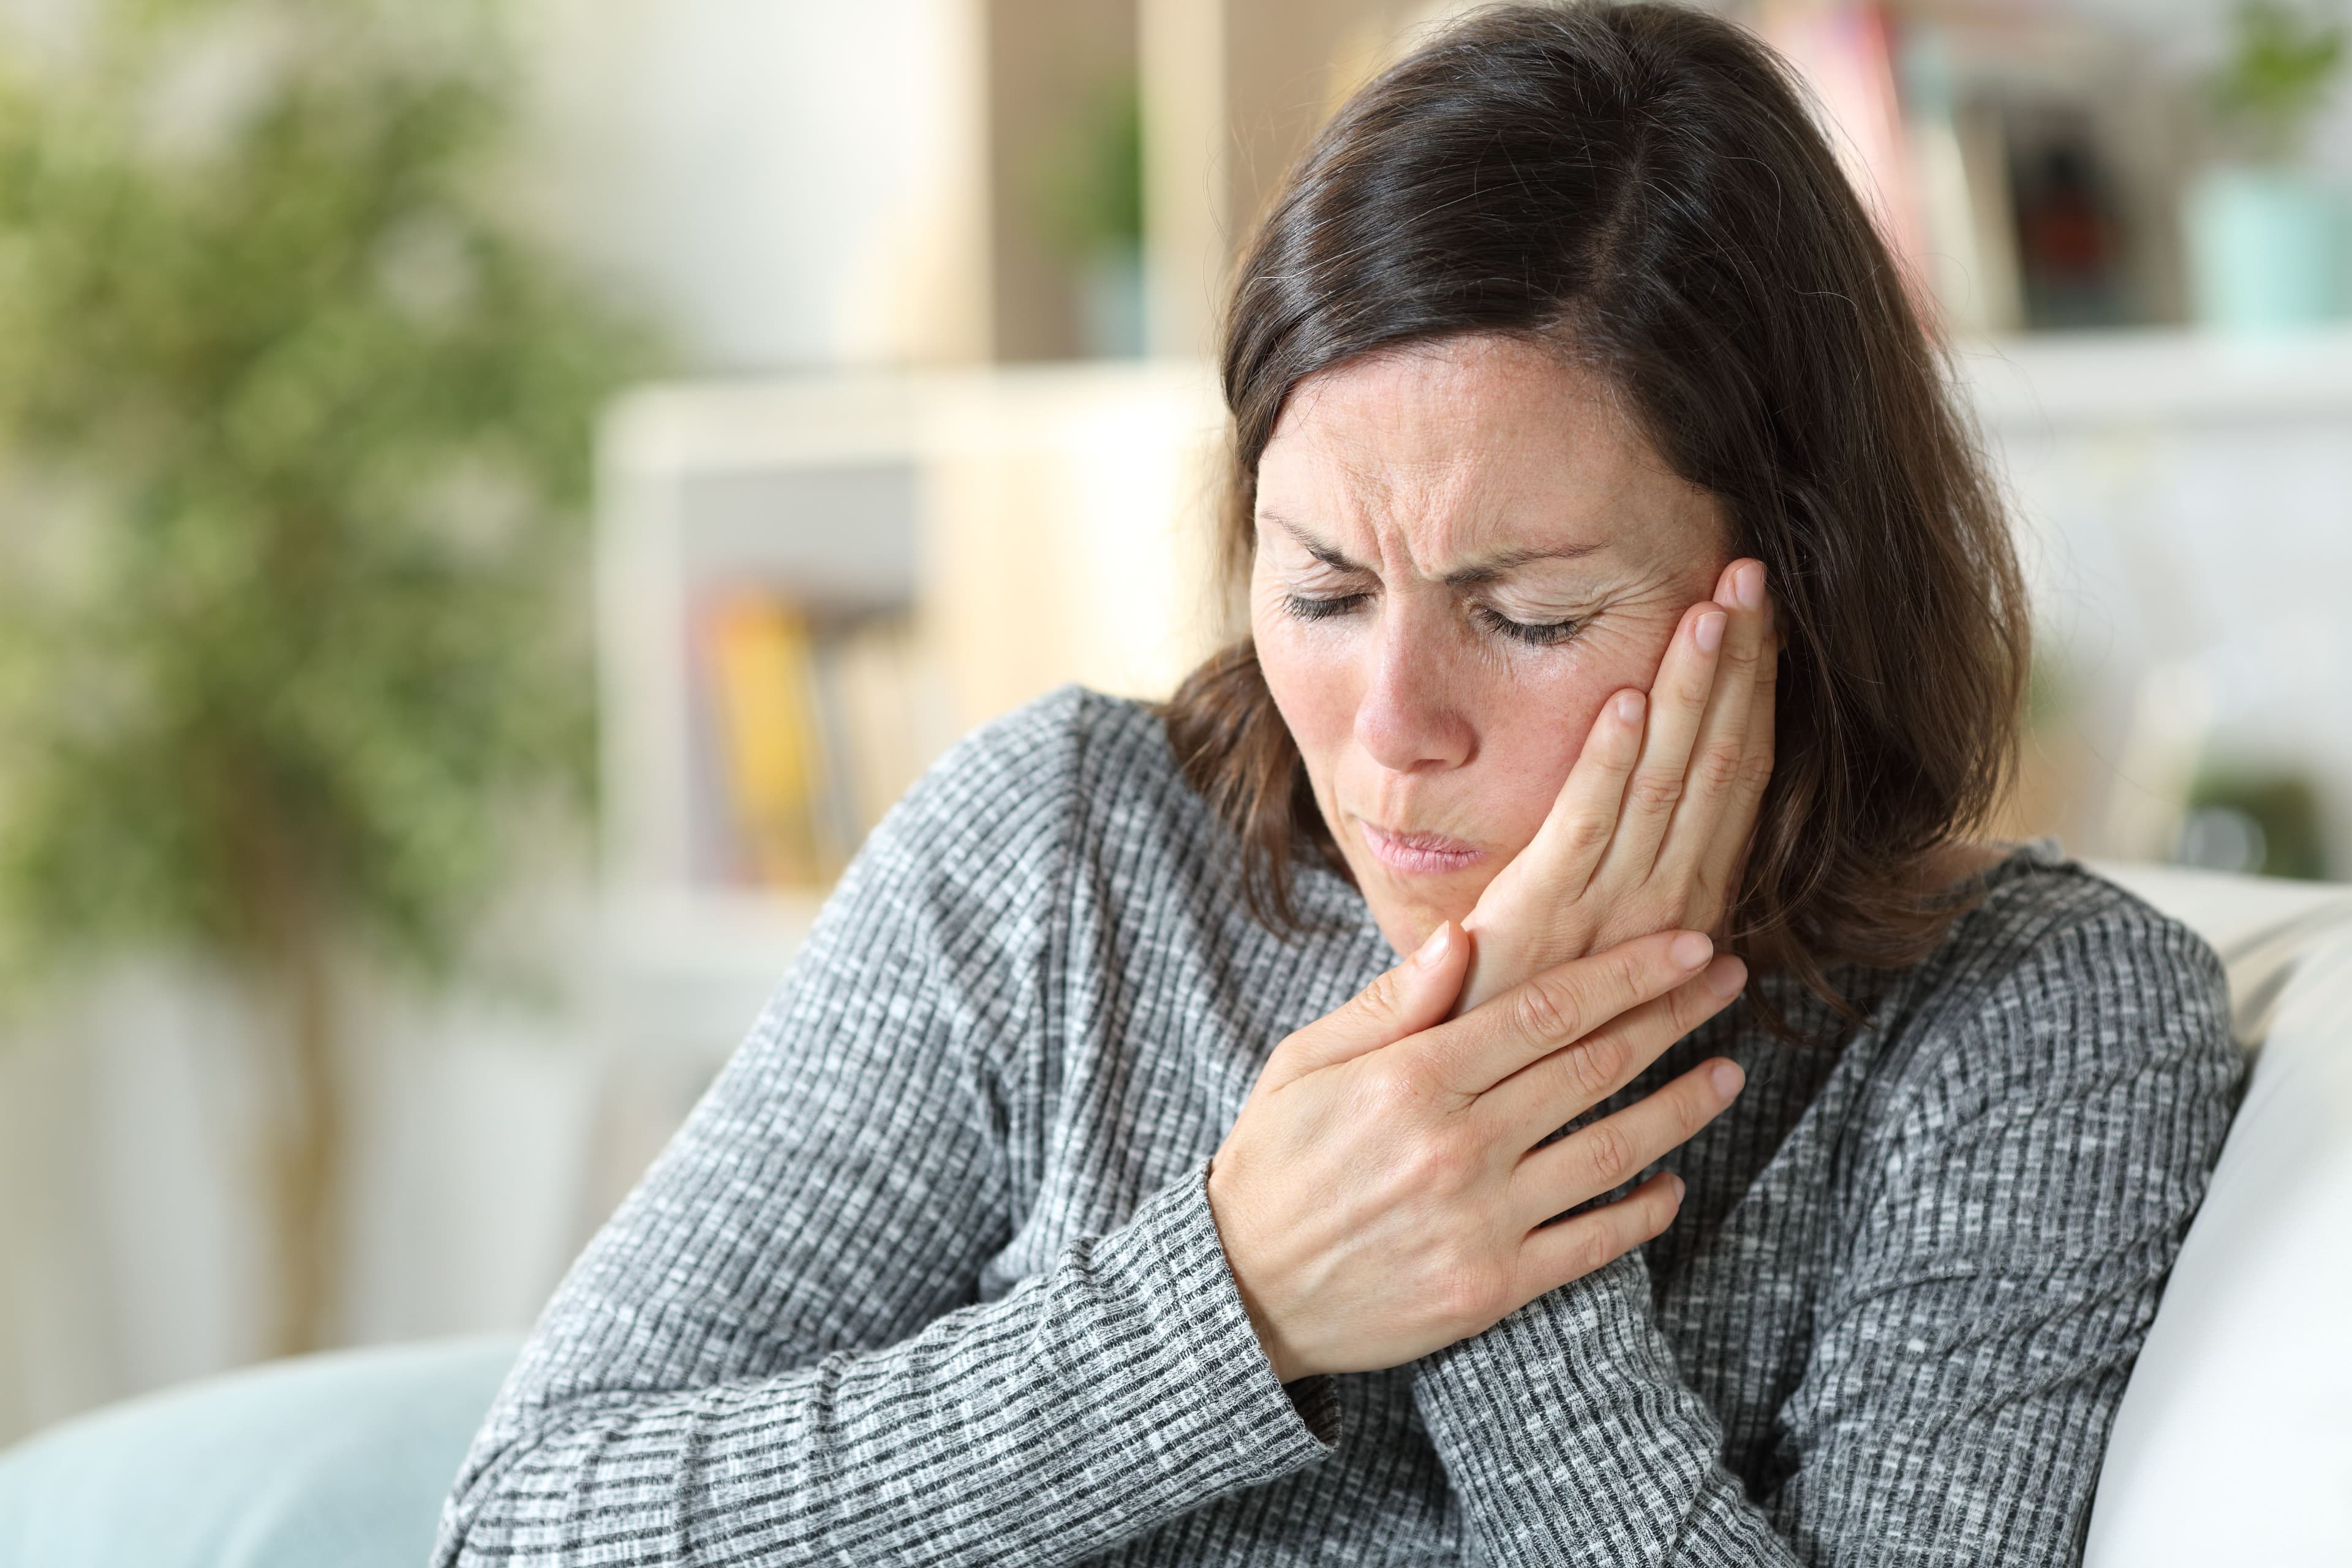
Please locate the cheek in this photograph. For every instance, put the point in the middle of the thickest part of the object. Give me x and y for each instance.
(1528, 740)
(1539, 725)
(1315, 684)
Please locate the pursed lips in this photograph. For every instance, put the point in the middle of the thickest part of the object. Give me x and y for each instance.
(1423, 853)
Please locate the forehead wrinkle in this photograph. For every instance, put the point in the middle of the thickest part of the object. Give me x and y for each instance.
(1430, 454)
(1482, 569)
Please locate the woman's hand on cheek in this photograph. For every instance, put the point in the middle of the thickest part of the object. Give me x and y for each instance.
(1650, 830)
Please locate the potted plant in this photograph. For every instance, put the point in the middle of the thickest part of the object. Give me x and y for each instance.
(294, 449)
(2269, 240)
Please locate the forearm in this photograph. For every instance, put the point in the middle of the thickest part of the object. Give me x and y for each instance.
(1091, 1403)
(1569, 1436)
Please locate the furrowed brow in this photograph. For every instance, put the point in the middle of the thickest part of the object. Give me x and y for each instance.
(1502, 560)
(1485, 570)
(1321, 550)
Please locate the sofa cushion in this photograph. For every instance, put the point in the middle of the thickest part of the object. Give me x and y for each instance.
(2232, 1444)
(342, 1459)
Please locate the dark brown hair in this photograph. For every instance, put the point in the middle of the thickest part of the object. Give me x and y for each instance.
(1640, 185)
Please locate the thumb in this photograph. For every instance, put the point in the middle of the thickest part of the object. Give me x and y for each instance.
(1414, 996)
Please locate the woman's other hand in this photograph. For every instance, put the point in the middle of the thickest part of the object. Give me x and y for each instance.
(1652, 827)
(1380, 1196)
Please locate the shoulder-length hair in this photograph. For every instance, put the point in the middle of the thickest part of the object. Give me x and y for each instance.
(1640, 185)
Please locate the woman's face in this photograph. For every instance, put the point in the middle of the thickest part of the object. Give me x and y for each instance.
(1463, 549)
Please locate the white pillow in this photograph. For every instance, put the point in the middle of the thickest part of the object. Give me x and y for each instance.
(2233, 1442)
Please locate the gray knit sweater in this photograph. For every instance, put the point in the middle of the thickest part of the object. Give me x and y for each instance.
(930, 1275)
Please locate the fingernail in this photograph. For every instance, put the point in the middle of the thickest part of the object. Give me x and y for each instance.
(1726, 976)
(1710, 633)
(1690, 949)
(1748, 587)
(1727, 1078)
(1629, 707)
(1434, 947)
(1675, 1183)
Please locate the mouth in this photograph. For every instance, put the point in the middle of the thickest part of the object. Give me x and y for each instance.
(1420, 853)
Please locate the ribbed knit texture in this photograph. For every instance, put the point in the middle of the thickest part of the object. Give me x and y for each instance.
(930, 1275)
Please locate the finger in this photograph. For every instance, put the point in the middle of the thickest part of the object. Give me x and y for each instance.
(1584, 820)
(1678, 699)
(1473, 1053)
(1609, 1152)
(1564, 853)
(1583, 1243)
(1544, 1096)
(1714, 883)
(1719, 755)
(1404, 1001)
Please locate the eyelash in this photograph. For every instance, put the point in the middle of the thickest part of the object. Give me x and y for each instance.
(1539, 634)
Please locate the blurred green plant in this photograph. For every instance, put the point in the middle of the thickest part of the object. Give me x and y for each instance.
(1086, 185)
(2282, 63)
(294, 450)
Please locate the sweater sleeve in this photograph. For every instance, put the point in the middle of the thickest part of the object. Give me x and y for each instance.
(2005, 1243)
(774, 1352)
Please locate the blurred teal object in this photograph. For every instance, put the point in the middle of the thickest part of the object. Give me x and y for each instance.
(1111, 301)
(323, 1461)
(2269, 248)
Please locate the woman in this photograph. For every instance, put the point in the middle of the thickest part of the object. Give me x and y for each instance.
(1745, 1169)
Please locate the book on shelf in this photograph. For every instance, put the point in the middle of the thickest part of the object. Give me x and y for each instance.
(818, 725)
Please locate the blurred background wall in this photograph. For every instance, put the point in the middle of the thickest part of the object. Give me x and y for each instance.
(917, 424)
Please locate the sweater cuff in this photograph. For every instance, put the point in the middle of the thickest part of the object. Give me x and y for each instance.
(1171, 1262)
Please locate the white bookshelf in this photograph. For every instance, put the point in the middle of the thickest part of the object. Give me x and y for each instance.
(1039, 525)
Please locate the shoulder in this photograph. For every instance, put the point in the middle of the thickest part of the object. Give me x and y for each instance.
(2061, 996)
(1073, 755)
(1010, 810)
(2052, 949)
(956, 907)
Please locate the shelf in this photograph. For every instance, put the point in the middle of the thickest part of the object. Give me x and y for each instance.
(2158, 376)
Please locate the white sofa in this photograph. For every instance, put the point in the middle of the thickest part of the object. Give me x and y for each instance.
(2234, 1440)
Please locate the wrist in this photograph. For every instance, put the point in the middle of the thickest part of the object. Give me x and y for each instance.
(1287, 1365)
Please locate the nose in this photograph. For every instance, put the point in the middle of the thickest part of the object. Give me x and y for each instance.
(1408, 717)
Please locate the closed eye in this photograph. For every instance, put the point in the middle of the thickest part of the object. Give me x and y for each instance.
(1308, 608)
(1543, 634)
(1539, 633)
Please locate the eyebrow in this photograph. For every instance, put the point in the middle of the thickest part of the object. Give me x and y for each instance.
(1485, 570)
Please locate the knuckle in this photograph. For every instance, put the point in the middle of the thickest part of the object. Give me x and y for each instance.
(1473, 1293)
(1630, 972)
(1756, 768)
(1440, 1165)
(1588, 833)
(1607, 1153)
(1655, 791)
(1596, 1064)
(1381, 998)
(1395, 1090)
(1544, 1012)
(1717, 769)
